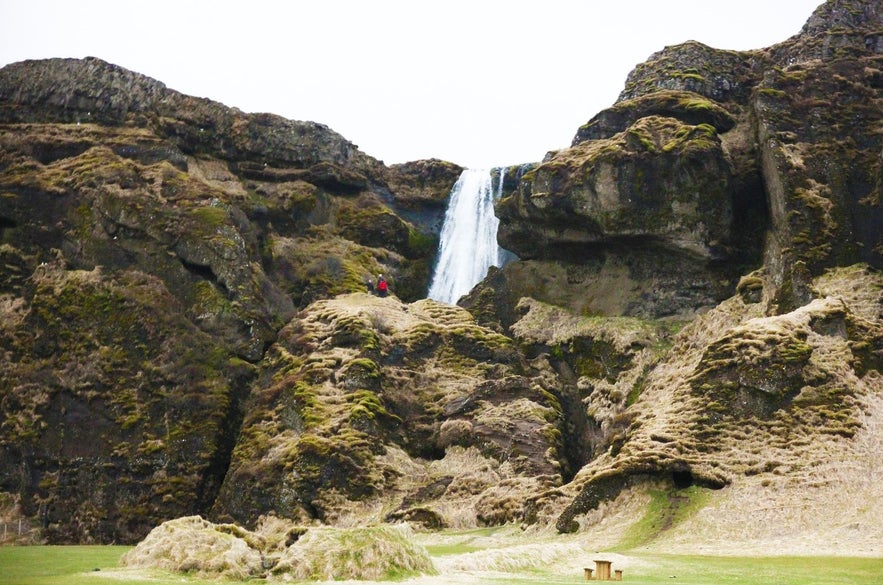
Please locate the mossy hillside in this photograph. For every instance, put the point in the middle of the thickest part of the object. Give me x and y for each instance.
(130, 217)
(759, 397)
(368, 222)
(860, 288)
(127, 195)
(667, 508)
(357, 378)
(804, 356)
(664, 428)
(118, 212)
(103, 390)
(599, 348)
(213, 229)
(79, 90)
(605, 362)
(289, 207)
(552, 325)
(138, 208)
(760, 364)
(317, 423)
(635, 279)
(48, 142)
(322, 265)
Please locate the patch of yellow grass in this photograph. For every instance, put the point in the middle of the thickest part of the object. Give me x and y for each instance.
(194, 545)
(544, 323)
(375, 553)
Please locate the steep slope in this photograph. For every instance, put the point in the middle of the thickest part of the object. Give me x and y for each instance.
(153, 246)
(711, 164)
(367, 409)
(778, 408)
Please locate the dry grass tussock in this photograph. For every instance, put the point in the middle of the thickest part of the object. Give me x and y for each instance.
(280, 551)
(377, 553)
(194, 545)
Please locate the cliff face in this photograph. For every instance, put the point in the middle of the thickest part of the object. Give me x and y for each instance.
(719, 161)
(153, 246)
(697, 303)
(713, 164)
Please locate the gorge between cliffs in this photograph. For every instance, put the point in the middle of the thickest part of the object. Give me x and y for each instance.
(685, 301)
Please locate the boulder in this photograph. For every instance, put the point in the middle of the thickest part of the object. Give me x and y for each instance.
(660, 183)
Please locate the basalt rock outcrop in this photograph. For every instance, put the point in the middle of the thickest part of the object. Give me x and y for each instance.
(696, 305)
(712, 164)
(716, 162)
(154, 245)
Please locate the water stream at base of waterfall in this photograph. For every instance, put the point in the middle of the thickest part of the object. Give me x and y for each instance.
(468, 242)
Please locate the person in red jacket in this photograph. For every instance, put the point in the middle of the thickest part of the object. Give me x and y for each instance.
(382, 287)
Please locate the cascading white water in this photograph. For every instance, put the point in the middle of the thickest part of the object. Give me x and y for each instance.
(468, 244)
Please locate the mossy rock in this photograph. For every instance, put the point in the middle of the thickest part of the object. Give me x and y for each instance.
(721, 75)
(754, 370)
(368, 222)
(688, 107)
(660, 180)
(750, 288)
(137, 391)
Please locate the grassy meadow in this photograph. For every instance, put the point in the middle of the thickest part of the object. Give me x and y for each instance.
(97, 565)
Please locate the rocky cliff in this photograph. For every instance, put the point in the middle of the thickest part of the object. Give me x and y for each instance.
(697, 305)
(154, 245)
(716, 172)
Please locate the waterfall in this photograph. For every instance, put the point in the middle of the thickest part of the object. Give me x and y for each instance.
(468, 243)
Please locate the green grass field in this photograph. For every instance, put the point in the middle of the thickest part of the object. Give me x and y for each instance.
(97, 565)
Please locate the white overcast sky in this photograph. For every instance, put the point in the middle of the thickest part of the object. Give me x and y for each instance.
(480, 83)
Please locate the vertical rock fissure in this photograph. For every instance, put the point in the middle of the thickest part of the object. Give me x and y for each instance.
(219, 465)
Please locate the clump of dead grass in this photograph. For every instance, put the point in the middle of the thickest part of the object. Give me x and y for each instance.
(514, 558)
(279, 550)
(194, 545)
(373, 553)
